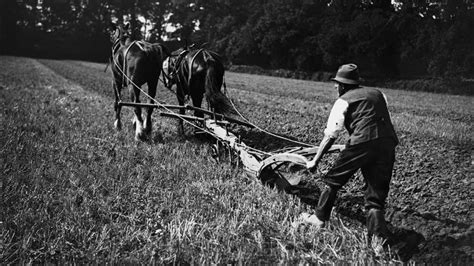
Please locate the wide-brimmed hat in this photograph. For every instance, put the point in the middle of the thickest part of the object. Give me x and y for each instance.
(347, 74)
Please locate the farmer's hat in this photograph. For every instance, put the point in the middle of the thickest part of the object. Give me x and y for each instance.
(347, 74)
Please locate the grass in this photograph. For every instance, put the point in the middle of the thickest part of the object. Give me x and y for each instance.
(74, 190)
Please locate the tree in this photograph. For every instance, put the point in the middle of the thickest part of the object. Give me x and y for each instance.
(9, 12)
(362, 32)
(384, 38)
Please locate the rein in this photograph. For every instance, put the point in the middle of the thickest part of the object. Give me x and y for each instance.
(190, 65)
(115, 49)
(151, 98)
(176, 68)
(173, 76)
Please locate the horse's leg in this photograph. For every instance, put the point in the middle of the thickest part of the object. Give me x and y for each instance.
(152, 92)
(117, 107)
(197, 93)
(197, 101)
(138, 122)
(180, 95)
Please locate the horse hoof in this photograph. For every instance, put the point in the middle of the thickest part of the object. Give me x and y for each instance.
(118, 125)
(141, 136)
(147, 131)
(181, 130)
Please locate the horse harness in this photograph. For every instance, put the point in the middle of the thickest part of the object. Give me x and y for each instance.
(115, 49)
(177, 66)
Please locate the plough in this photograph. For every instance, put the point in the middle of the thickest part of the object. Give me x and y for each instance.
(260, 164)
(256, 163)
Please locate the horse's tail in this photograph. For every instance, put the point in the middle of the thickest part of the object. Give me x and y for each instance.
(213, 83)
(158, 53)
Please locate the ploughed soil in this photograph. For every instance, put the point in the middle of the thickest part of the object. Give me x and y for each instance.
(430, 203)
(429, 208)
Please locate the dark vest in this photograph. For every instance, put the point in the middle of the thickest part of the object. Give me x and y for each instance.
(367, 116)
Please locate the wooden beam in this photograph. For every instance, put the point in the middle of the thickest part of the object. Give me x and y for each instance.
(186, 117)
(152, 105)
(250, 163)
(219, 116)
(188, 107)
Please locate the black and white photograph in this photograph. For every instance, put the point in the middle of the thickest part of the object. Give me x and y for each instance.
(237, 132)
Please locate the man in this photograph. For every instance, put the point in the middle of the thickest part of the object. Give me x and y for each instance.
(371, 148)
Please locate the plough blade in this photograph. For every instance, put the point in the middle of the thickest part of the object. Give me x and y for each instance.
(270, 173)
(269, 170)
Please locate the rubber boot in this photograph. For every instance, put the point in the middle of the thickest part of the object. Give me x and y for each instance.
(376, 225)
(326, 203)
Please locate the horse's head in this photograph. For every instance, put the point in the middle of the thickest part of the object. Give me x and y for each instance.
(119, 33)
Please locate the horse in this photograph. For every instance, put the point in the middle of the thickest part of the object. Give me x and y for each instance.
(196, 73)
(133, 64)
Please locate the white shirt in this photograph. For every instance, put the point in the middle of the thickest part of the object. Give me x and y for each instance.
(337, 116)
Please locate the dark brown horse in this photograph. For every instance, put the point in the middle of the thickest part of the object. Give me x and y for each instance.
(196, 73)
(135, 63)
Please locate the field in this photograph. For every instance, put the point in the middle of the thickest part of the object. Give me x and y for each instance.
(75, 190)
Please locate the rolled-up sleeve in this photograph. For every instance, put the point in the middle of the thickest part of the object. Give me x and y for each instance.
(336, 118)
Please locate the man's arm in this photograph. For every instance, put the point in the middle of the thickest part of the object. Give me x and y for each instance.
(324, 146)
(334, 125)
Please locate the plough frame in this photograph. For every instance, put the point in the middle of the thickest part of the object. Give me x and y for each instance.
(254, 161)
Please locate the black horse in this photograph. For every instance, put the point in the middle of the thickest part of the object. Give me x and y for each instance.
(135, 63)
(196, 72)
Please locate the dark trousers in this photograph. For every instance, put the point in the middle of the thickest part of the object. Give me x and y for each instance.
(375, 159)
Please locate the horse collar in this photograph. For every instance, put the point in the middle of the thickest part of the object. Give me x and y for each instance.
(140, 44)
(181, 57)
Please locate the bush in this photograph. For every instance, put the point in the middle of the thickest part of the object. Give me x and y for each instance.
(282, 73)
(436, 85)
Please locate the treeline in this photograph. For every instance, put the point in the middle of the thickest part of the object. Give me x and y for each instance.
(403, 39)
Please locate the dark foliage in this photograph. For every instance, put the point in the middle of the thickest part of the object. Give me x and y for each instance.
(404, 39)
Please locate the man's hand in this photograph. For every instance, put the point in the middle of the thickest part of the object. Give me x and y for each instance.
(326, 143)
(312, 165)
